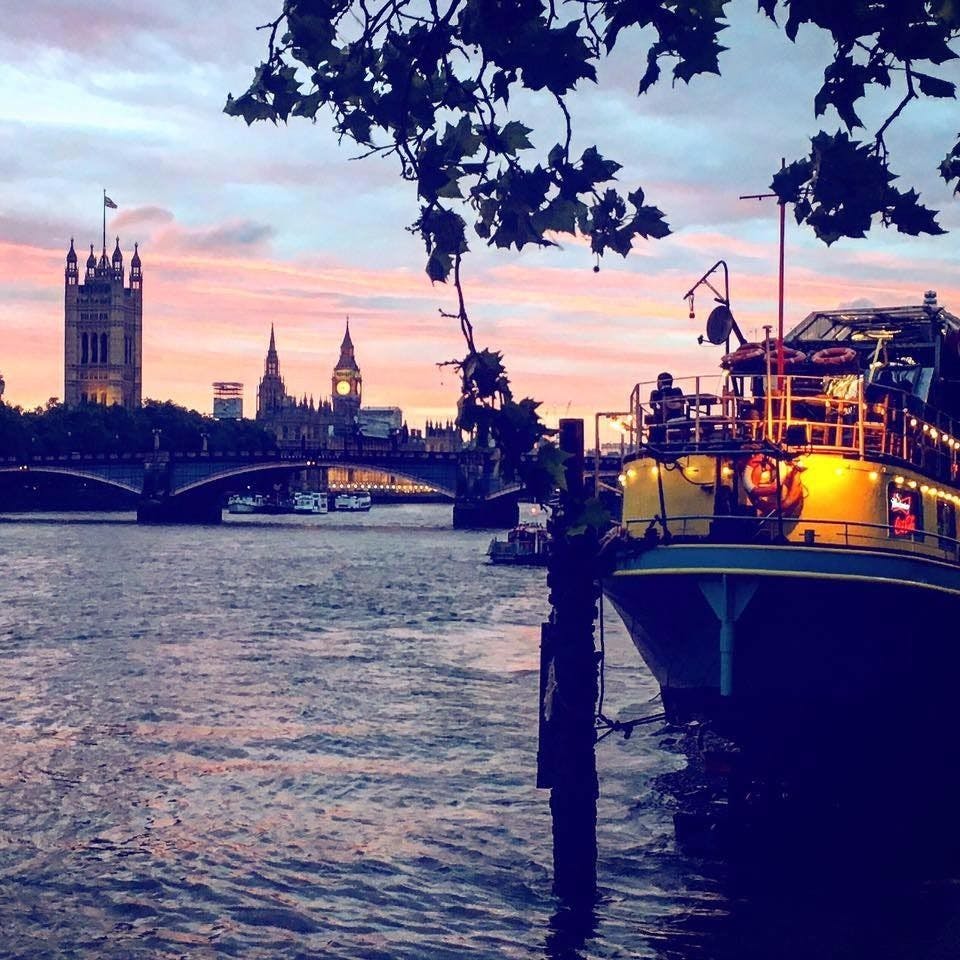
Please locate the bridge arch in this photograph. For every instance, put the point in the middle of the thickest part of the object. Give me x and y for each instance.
(128, 485)
(240, 470)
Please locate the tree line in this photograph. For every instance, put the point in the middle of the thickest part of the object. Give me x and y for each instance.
(95, 429)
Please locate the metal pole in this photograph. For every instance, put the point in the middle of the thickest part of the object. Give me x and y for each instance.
(596, 454)
(783, 223)
(769, 398)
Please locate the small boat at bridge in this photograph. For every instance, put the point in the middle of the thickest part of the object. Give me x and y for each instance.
(356, 501)
(245, 503)
(527, 545)
(310, 501)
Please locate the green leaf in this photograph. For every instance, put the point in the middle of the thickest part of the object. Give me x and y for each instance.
(934, 86)
(514, 135)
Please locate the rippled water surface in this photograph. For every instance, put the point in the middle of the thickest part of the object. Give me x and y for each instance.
(305, 736)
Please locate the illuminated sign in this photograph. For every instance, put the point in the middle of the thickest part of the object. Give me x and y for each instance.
(904, 515)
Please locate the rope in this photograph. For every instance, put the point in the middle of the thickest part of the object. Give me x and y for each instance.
(603, 722)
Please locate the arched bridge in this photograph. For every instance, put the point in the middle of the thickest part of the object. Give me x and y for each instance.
(189, 486)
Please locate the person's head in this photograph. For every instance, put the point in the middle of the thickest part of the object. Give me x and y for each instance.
(664, 380)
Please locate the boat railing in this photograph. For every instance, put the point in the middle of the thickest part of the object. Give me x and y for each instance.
(772, 529)
(833, 413)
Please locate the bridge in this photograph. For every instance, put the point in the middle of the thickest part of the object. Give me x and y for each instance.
(188, 487)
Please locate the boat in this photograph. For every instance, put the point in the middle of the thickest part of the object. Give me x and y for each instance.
(526, 545)
(359, 500)
(245, 503)
(275, 504)
(787, 563)
(310, 501)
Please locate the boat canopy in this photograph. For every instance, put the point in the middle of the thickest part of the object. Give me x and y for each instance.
(912, 326)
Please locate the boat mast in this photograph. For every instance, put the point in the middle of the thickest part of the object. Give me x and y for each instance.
(783, 228)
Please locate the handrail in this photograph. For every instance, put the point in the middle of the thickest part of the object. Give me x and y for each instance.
(810, 412)
(896, 544)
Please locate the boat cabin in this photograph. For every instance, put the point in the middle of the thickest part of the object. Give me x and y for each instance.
(850, 434)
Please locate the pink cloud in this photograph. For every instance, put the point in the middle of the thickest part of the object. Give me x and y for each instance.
(576, 340)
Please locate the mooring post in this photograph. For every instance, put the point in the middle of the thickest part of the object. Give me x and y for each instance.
(567, 760)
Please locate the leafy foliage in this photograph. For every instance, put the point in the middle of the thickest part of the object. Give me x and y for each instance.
(488, 411)
(96, 429)
(431, 84)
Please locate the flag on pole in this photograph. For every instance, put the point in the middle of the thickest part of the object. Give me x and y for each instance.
(107, 202)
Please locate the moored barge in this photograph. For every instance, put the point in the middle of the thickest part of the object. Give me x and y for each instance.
(788, 563)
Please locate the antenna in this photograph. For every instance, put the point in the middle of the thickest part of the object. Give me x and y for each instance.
(783, 221)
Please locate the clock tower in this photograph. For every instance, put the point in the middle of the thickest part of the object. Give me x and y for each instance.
(346, 385)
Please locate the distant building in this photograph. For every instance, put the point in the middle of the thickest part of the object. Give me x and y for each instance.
(382, 422)
(305, 424)
(294, 422)
(103, 331)
(442, 437)
(345, 389)
(228, 400)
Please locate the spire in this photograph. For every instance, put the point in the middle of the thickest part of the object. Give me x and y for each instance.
(71, 253)
(135, 262)
(117, 255)
(91, 260)
(272, 366)
(347, 359)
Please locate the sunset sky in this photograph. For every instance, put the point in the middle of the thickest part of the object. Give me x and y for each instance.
(243, 227)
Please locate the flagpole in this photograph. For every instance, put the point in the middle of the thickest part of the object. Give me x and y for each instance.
(104, 218)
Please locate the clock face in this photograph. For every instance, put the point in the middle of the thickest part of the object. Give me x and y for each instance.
(343, 387)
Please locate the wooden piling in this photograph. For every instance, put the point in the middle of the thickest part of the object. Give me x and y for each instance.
(569, 686)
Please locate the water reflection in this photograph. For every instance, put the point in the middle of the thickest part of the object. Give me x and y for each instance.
(873, 876)
(301, 740)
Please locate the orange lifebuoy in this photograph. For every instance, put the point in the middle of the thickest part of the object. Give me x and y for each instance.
(763, 477)
(746, 353)
(791, 356)
(835, 357)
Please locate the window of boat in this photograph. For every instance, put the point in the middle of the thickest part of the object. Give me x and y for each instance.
(947, 525)
(905, 512)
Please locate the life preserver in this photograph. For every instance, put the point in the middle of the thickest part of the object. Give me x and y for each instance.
(744, 355)
(835, 357)
(791, 356)
(762, 476)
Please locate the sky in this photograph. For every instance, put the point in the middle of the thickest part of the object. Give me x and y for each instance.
(240, 228)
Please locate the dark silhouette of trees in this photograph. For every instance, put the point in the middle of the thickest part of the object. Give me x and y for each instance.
(96, 429)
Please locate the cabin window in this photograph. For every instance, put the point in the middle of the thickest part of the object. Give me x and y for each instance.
(946, 525)
(905, 512)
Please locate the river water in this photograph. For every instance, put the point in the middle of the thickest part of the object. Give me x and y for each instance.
(316, 737)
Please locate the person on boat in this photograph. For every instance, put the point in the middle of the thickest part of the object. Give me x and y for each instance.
(666, 403)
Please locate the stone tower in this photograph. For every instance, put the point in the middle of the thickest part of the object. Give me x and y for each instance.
(346, 385)
(271, 392)
(103, 331)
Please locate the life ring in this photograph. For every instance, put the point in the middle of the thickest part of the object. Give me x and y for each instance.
(763, 476)
(791, 356)
(835, 357)
(746, 353)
